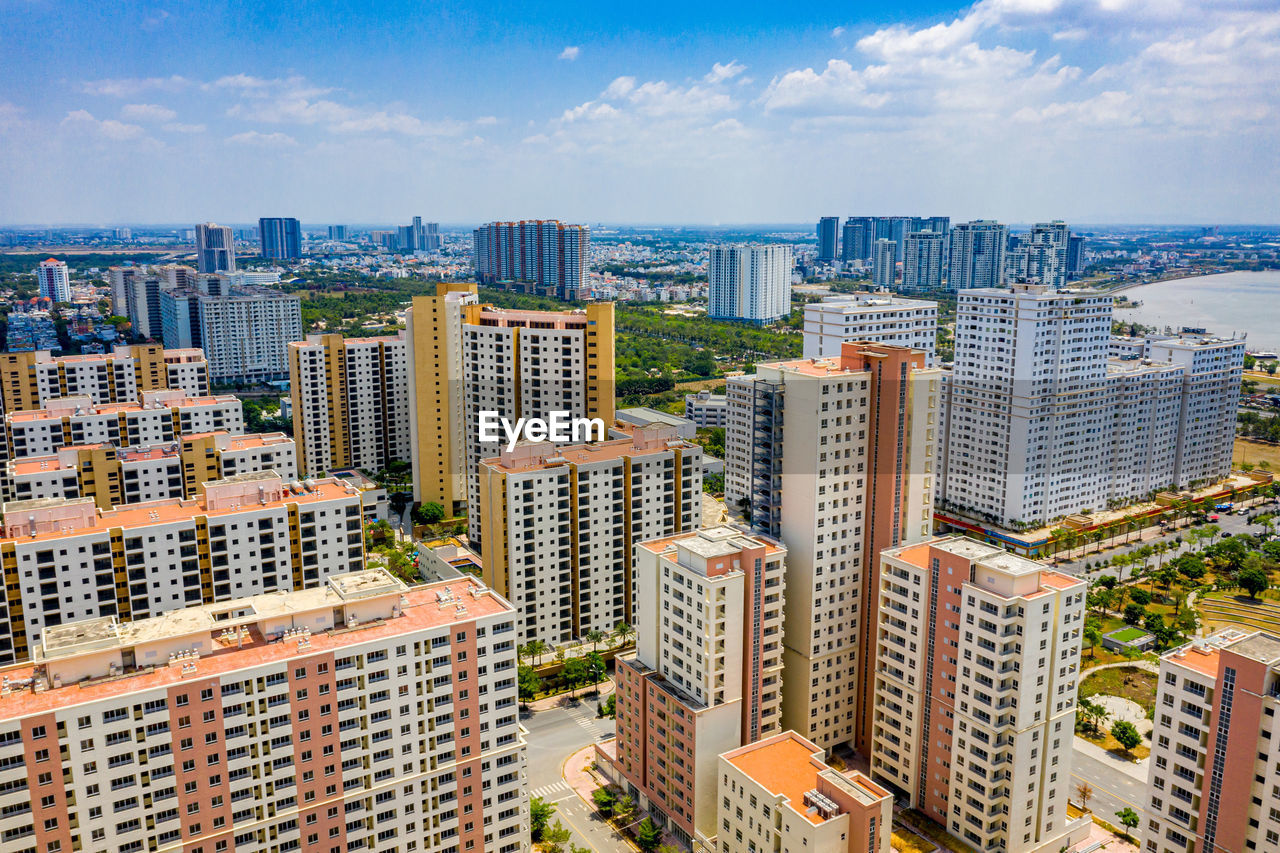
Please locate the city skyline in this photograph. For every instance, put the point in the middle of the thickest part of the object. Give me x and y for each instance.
(657, 117)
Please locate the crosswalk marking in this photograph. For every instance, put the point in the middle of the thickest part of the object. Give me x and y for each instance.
(546, 790)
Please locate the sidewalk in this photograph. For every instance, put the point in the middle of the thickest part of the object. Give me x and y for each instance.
(564, 700)
(1136, 769)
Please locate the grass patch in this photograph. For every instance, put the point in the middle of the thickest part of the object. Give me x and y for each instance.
(1128, 635)
(1106, 741)
(934, 832)
(1128, 682)
(907, 842)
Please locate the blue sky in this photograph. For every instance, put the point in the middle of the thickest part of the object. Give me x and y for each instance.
(1098, 110)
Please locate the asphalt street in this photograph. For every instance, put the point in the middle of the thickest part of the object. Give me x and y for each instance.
(1113, 789)
(554, 735)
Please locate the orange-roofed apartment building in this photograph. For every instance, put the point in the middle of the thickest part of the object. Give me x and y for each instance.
(834, 457)
(65, 560)
(706, 676)
(359, 715)
(977, 669)
(32, 379)
(1215, 747)
(127, 475)
(779, 795)
(563, 524)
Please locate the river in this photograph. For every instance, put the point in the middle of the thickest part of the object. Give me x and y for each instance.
(1244, 302)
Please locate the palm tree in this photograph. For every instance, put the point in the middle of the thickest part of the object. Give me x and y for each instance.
(594, 637)
(535, 649)
(622, 630)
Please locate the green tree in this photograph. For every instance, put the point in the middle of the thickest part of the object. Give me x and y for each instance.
(1134, 613)
(554, 838)
(540, 812)
(624, 809)
(604, 798)
(594, 637)
(595, 666)
(1140, 596)
(1126, 734)
(1253, 580)
(610, 708)
(575, 672)
(648, 835)
(535, 649)
(428, 513)
(622, 631)
(1128, 818)
(529, 684)
(1093, 637)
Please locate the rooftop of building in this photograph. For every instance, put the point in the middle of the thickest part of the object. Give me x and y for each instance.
(711, 542)
(789, 766)
(1042, 291)
(85, 406)
(646, 415)
(868, 300)
(219, 626)
(538, 456)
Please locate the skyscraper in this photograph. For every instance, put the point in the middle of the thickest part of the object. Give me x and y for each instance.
(859, 238)
(922, 264)
(338, 232)
(55, 281)
(1075, 255)
(281, 238)
(884, 267)
(833, 457)
(537, 255)
(977, 255)
(751, 283)
(215, 248)
(828, 238)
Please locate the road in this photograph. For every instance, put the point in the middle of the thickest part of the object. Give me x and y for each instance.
(554, 735)
(1113, 789)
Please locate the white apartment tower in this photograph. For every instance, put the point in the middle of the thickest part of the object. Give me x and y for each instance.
(54, 280)
(359, 715)
(1040, 257)
(215, 248)
(977, 255)
(751, 283)
(562, 524)
(977, 668)
(875, 317)
(884, 265)
(835, 458)
(350, 401)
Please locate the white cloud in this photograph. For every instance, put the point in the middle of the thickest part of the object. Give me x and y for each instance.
(719, 73)
(837, 32)
(178, 127)
(117, 131)
(619, 87)
(147, 112)
(265, 140)
(11, 117)
(570, 53)
(126, 87)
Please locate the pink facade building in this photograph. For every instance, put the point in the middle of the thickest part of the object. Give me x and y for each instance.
(706, 676)
(361, 715)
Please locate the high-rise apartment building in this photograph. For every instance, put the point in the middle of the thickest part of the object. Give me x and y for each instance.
(1040, 423)
(29, 380)
(1040, 257)
(241, 536)
(828, 238)
(54, 280)
(244, 330)
(706, 675)
(870, 317)
(835, 458)
(531, 364)
(281, 238)
(779, 794)
(215, 248)
(1214, 755)
(858, 239)
(114, 476)
(547, 256)
(433, 328)
(350, 401)
(884, 264)
(157, 417)
(1075, 255)
(751, 283)
(338, 233)
(923, 262)
(352, 716)
(562, 523)
(977, 669)
(977, 255)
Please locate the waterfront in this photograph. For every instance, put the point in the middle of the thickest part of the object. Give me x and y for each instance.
(1230, 302)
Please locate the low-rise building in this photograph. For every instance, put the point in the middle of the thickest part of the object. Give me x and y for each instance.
(779, 794)
(65, 560)
(644, 416)
(706, 409)
(706, 676)
(360, 714)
